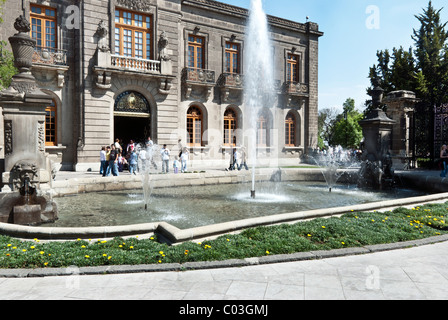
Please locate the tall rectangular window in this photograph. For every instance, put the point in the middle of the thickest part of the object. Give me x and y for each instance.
(133, 35)
(43, 26)
(232, 58)
(292, 73)
(290, 131)
(196, 52)
(50, 125)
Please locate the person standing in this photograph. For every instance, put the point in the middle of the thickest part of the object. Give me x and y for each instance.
(103, 166)
(184, 160)
(243, 159)
(444, 159)
(113, 160)
(150, 153)
(106, 170)
(133, 162)
(165, 159)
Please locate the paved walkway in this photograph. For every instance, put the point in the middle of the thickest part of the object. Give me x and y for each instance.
(417, 273)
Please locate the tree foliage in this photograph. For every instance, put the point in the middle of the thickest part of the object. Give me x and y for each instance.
(423, 70)
(7, 68)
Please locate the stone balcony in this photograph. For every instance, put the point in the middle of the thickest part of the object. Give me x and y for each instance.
(109, 64)
(231, 87)
(197, 83)
(294, 93)
(49, 66)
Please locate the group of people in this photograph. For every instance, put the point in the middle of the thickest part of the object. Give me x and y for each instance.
(115, 159)
(238, 160)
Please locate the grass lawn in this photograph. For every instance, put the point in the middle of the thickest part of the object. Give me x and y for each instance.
(355, 229)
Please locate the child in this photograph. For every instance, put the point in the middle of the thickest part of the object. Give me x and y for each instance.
(133, 162)
(176, 164)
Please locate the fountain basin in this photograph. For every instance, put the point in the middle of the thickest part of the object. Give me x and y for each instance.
(175, 234)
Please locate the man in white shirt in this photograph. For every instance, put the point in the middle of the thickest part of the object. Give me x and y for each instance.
(165, 159)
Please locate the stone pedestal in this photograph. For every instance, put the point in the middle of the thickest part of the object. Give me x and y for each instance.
(26, 165)
(376, 168)
(400, 108)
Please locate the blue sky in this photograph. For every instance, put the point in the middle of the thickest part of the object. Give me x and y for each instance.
(348, 48)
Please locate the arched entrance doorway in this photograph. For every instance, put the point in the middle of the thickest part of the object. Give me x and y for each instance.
(132, 117)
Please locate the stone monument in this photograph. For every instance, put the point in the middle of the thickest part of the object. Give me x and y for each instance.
(26, 165)
(376, 167)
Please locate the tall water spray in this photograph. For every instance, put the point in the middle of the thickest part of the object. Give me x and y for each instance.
(259, 76)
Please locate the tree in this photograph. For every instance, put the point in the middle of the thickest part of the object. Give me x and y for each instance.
(7, 68)
(346, 130)
(432, 56)
(326, 121)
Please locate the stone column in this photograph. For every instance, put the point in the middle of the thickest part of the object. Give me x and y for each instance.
(400, 108)
(23, 105)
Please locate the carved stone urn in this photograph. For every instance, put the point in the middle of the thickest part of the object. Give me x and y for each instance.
(23, 46)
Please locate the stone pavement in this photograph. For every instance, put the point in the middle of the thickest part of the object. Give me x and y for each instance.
(419, 273)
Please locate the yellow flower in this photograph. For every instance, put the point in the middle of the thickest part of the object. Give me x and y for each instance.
(83, 247)
(42, 252)
(131, 247)
(120, 246)
(24, 250)
(186, 252)
(323, 227)
(308, 235)
(46, 264)
(161, 252)
(104, 255)
(87, 257)
(343, 243)
(152, 238)
(109, 257)
(32, 247)
(8, 255)
(160, 261)
(267, 252)
(8, 245)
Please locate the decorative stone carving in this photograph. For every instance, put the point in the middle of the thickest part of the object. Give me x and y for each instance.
(102, 32)
(136, 5)
(163, 43)
(25, 173)
(8, 137)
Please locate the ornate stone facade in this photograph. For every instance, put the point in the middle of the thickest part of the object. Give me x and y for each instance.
(87, 71)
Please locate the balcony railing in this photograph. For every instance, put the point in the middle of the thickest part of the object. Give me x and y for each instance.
(295, 88)
(50, 56)
(234, 80)
(200, 76)
(136, 64)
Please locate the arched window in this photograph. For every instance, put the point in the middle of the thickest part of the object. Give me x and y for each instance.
(194, 127)
(263, 130)
(51, 125)
(290, 130)
(230, 125)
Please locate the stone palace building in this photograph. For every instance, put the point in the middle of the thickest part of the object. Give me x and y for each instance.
(170, 69)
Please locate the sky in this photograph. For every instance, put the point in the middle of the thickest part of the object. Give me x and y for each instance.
(354, 30)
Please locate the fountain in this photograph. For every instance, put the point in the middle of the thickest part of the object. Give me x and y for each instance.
(259, 75)
(333, 165)
(27, 167)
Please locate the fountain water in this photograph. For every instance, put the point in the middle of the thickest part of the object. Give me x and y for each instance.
(259, 75)
(147, 158)
(333, 165)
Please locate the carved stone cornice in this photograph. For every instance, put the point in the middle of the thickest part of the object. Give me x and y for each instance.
(136, 5)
